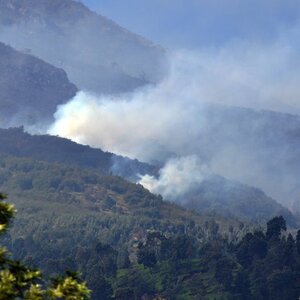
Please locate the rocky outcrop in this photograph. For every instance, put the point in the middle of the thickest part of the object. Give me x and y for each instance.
(30, 89)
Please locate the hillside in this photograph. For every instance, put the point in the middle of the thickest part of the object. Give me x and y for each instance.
(233, 199)
(14, 141)
(30, 88)
(97, 54)
(129, 244)
(65, 212)
(258, 147)
(214, 195)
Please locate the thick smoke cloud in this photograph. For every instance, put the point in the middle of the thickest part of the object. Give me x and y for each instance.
(175, 118)
(157, 121)
(178, 177)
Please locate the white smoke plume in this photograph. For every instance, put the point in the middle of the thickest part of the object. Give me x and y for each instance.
(149, 124)
(158, 122)
(178, 177)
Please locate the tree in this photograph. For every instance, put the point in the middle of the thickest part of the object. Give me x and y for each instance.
(252, 246)
(18, 281)
(274, 228)
(298, 241)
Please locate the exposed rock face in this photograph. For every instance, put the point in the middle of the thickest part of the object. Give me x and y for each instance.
(96, 53)
(30, 89)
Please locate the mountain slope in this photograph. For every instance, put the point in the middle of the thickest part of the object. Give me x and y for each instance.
(233, 199)
(97, 54)
(15, 141)
(215, 194)
(129, 244)
(30, 89)
(260, 148)
(65, 213)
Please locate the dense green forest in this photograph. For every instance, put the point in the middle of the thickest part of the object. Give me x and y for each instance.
(68, 215)
(18, 281)
(130, 244)
(262, 264)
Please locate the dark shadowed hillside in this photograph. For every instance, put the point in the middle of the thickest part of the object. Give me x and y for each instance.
(15, 141)
(30, 89)
(97, 54)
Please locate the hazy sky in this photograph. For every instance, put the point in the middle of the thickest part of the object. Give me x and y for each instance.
(198, 23)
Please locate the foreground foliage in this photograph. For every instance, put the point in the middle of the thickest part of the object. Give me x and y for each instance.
(17, 281)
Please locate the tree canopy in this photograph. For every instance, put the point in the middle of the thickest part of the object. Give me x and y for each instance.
(18, 281)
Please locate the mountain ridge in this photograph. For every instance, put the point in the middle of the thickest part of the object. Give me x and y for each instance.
(97, 54)
(53, 149)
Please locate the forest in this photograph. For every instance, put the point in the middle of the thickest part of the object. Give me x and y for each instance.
(130, 244)
(261, 264)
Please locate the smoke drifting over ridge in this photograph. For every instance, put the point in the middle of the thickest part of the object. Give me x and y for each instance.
(189, 113)
(169, 116)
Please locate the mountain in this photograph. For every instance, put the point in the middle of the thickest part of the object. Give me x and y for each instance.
(97, 54)
(258, 147)
(14, 141)
(233, 199)
(30, 89)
